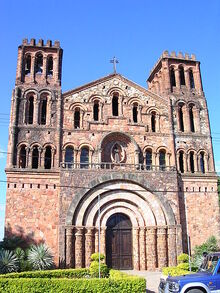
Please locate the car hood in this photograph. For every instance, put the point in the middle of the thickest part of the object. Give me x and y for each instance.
(189, 277)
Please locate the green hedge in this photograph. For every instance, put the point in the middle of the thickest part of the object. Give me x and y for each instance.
(66, 273)
(174, 271)
(45, 285)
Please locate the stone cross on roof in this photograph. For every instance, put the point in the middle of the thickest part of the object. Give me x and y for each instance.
(114, 61)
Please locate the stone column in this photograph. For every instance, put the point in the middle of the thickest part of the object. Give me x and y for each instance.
(178, 161)
(185, 166)
(48, 115)
(196, 116)
(186, 120)
(45, 67)
(120, 105)
(36, 108)
(187, 79)
(25, 111)
(162, 247)
(154, 161)
(135, 233)
(140, 113)
(41, 156)
(157, 122)
(151, 249)
(88, 246)
(172, 257)
(206, 163)
(142, 249)
(30, 157)
(96, 240)
(179, 246)
(90, 158)
(69, 247)
(177, 77)
(53, 151)
(79, 247)
(27, 156)
(136, 157)
(195, 162)
(76, 151)
(32, 67)
(102, 240)
(101, 111)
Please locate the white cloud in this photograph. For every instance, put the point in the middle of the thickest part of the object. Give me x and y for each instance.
(2, 153)
(217, 166)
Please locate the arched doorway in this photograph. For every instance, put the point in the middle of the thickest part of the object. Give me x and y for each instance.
(119, 242)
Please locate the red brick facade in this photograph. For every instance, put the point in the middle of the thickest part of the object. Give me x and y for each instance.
(146, 153)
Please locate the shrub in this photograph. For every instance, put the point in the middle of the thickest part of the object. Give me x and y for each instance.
(95, 256)
(65, 273)
(183, 266)
(132, 285)
(40, 257)
(183, 258)
(174, 271)
(8, 262)
(24, 265)
(209, 246)
(94, 270)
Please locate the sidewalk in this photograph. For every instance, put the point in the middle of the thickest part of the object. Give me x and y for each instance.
(153, 279)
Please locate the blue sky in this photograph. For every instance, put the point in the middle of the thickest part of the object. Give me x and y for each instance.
(92, 32)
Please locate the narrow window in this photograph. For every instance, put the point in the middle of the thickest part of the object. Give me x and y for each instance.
(77, 118)
(148, 160)
(84, 158)
(47, 159)
(135, 113)
(43, 111)
(182, 76)
(172, 78)
(153, 121)
(191, 117)
(96, 111)
(162, 160)
(30, 112)
(50, 66)
(39, 64)
(115, 106)
(202, 163)
(191, 79)
(35, 157)
(22, 157)
(181, 123)
(27, 68)
(69, 159)
(181, 162)
(191, 159)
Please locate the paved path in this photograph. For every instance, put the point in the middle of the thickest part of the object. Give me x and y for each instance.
(153, 279)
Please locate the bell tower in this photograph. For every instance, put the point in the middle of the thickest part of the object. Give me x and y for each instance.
(35, 122)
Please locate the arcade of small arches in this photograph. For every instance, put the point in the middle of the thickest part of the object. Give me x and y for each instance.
(192, 161)
(182, 76)
(188, 117)
(152, 236)
(35, 156)
(117, 102)
(37, 108)
(37, 64)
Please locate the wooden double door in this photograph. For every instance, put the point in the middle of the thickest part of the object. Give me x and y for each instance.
(119, 242)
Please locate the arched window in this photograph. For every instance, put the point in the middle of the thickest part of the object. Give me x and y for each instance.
(153, 121)
(30, 110)
(39, 64)
(180, 115)
(77, 118)
(27, 67)
(135, 113)
(48, 158)
(182, 76)
(50, 66)
(148, 159)
(69, 158)
(115, 106)
(84, 158)
(191, 118)
(181, 162)
(191, 79)
(162, 160)
(35, 157)
(43, 110)
(202, 162)
(96, 111)
(22, 157)
(191, 160)
(172, 77)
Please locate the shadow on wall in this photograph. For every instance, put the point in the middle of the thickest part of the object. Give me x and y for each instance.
(13, 240)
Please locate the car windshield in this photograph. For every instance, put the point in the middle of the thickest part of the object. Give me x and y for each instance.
(209, 263)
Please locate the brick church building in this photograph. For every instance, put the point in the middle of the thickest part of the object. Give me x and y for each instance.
(146, 153)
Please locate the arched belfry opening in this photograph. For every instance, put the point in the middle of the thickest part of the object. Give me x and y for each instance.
(119, 242)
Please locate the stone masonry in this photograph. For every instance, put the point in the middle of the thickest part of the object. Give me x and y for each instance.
(146, 153)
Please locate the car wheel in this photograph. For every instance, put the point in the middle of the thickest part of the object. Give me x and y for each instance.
(195, 291)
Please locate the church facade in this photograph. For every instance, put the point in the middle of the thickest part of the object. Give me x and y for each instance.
(136, 162)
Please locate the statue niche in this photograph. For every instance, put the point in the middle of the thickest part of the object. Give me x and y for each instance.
(117, 153)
